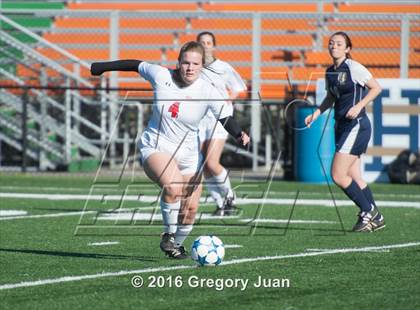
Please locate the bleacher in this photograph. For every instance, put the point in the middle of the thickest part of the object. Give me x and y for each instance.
(292, 48)
(292, 51)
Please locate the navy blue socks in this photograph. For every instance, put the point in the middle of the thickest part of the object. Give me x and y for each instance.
(354, 192)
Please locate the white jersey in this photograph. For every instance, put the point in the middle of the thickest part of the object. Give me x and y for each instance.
(229, 83)
(224, 77)
(177, 111)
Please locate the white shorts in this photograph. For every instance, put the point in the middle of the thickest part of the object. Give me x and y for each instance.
(207, 130)
(188, 156)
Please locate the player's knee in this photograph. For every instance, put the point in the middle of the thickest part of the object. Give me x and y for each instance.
(338, 177)
(173, 191)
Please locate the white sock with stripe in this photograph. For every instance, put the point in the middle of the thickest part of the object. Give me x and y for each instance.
(213, 189)
(223, 184)
(170, 215)
(181, 234)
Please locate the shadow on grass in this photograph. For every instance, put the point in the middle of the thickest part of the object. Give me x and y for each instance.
(80, 255)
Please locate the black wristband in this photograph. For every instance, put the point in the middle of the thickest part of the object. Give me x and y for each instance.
(231, 126)
(97, 68)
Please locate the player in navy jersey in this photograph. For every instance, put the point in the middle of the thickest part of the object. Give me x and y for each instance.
(350, 87)
(169, 146)
(212, 134)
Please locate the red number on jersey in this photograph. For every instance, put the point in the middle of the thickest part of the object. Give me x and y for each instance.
(174, 109)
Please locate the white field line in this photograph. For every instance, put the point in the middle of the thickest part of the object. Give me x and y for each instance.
(103, 243)
(60, 214)
(6, 213)
(231, 262)
(37, 216)
(323, 250)
(239, 201)
(285, 221)
(152, 190)
(127, 216)
(233, 246)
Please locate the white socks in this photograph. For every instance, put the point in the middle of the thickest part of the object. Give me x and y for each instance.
(170, 215)
(219, 187)
(181, 234)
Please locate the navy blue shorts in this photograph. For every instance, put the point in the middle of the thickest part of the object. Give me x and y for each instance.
(353, 137)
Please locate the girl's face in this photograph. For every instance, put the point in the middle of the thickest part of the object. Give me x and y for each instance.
(207, 42)
(337, 47)
(190, 66)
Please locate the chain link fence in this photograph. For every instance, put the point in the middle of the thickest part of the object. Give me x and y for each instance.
(279, 55)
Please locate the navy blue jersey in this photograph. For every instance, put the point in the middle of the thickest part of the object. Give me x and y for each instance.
(347, 84)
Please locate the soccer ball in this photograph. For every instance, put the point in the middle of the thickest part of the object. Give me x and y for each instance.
(208, 251)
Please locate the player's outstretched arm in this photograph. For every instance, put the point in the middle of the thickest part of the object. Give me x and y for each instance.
(233, 128)
(97, 68)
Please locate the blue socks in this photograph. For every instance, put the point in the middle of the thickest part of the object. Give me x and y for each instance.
(354, 192)
(368, 194)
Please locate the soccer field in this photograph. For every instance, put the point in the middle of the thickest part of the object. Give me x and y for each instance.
(68, 244)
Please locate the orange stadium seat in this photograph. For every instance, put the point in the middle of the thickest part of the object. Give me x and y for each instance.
(288, 24)
(414, 73)
(137, 89)
(85, 54)
(307, 74)
(366, 58)
(75, 22)
(168, 6)
(273, 91)
(363, 25)
(103, 54)
(371, 41)
(161, 39)
(147, 23)
(153, 23)
(280, 55)
(234, 55)
(219, 23)
(244, 72)
(75, 38)
(415, 42)
(377, 58)
(266, 7)
(314, 58)
(378, 8)
(153, 55)
(82, 38)
(275, 73)
(382, 63)
(385, 72)
(304, 40)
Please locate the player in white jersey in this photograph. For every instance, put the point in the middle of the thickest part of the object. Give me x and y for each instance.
(212, 134)
(169, 145)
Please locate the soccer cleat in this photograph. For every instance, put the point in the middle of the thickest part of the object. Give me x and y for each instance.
(230, 206)
(219, 212)
(167, 242)
(377, 222)
(363, 222)
(177, 253)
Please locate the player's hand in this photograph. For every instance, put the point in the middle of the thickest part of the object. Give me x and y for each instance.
(96, 68)
(243, 139)
(311, 118)
(353, 112)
